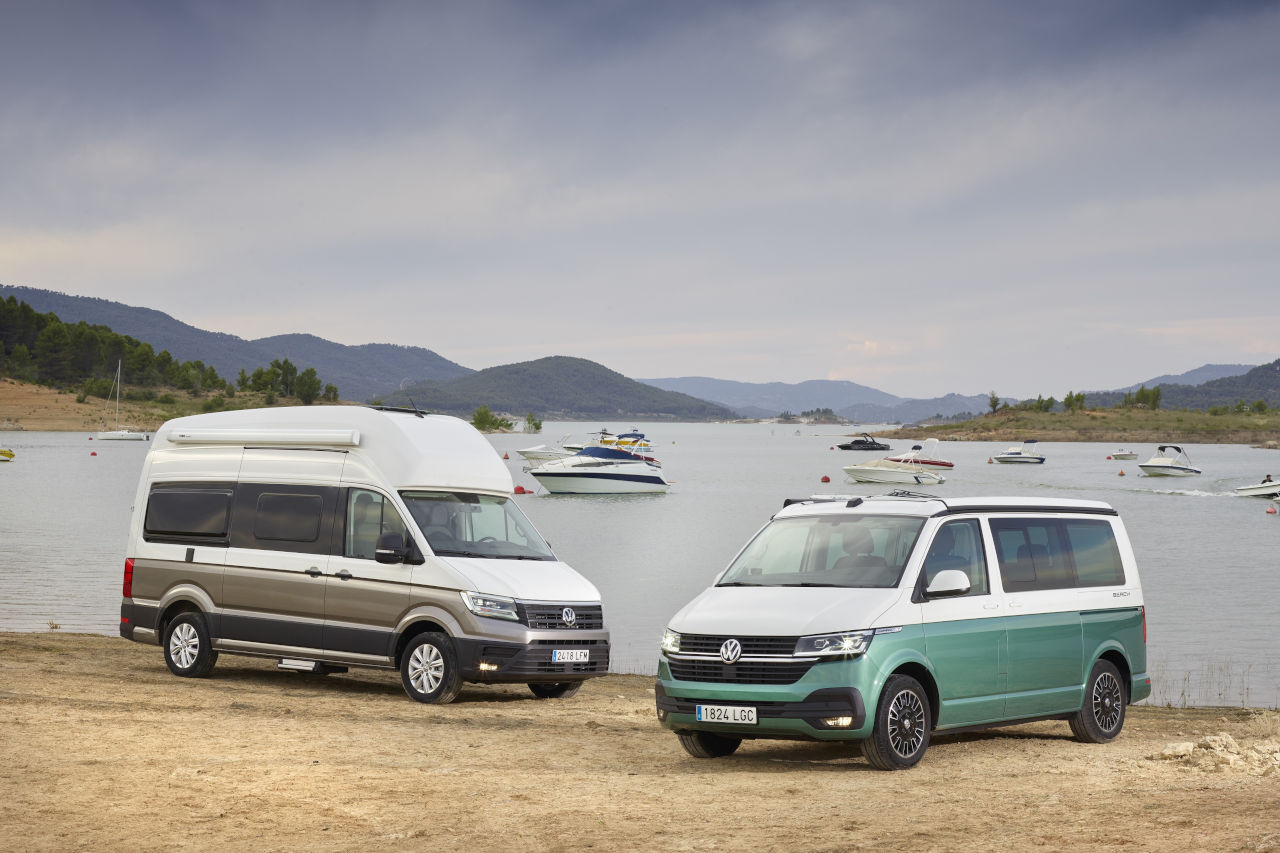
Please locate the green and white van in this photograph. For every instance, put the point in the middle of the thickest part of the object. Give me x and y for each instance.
(885, 619)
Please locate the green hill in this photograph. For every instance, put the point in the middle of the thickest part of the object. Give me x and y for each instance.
(559, 388)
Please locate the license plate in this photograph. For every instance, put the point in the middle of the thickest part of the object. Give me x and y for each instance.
(570, 655)
(735, 714)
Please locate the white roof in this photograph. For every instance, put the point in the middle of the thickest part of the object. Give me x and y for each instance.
(407, 450)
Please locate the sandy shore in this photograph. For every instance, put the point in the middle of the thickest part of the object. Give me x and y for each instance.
(105, 750)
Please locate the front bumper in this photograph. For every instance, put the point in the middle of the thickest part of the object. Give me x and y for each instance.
(494, 661)
(803, 719)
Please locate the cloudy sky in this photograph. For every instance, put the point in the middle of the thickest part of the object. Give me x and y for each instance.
(924, 197)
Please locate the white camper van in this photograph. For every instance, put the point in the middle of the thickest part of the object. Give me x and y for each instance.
(337, 536)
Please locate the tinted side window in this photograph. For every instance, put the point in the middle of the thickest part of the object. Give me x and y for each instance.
(1097, 557)
(188, 513)
(276, 517)
(289, 518)
(1033, 554)
(369, 515)
(958, 545)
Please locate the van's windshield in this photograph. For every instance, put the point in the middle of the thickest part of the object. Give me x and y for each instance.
(460, 524)
(846, 551)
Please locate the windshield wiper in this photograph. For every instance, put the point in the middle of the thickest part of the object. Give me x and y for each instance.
(449, 553)
(808, 583)
(739, 583)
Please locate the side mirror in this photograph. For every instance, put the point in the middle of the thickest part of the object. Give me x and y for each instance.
(948, 583)
(390, 549)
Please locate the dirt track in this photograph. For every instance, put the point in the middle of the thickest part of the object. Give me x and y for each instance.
(105, 750)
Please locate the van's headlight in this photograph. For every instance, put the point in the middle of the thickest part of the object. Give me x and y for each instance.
(494, 606)
(670, 641)
(845, 643)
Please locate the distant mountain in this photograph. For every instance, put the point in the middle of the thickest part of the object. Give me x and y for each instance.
(917, 410)
(769, 399)
(560, 388)
(1198, 376)
(1251, 384)
(360, 372)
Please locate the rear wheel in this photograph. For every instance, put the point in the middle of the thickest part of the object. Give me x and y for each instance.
(901, 731)
(429, 669)
(708, 745)
(1102, 716)
(187, 649)
(556, 691)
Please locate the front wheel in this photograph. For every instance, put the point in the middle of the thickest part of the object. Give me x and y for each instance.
(187, 649)
(708, 745)
(901, 731)
(556, 691)
(429, 669)
(1102, 716)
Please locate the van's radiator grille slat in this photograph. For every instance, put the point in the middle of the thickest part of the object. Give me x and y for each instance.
(587, 617)
(709, 644)
(738, 673)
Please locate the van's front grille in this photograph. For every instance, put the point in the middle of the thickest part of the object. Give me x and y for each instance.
(786, 671)
(586, 617)
(709, 644)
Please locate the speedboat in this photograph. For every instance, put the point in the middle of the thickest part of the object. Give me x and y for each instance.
(1170, 461)
(864, 442)
(5, 455)
(1124, 454)
(1024, 453)
(890, 471)
(119, 433)
(598, 470)
(545, 453)
(1266, 489)
(927, 455)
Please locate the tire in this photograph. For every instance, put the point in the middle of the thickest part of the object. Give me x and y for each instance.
(708, 745)
(1101, 717)
(187, 649)
(429, 669)
(902, 725)
(564, 690)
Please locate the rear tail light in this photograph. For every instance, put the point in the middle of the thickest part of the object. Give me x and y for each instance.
(128, 578)
(1144, 623)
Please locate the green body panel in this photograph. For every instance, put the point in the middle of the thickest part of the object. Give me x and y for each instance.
(1118, 631)
(1046, 664)
(968, 660)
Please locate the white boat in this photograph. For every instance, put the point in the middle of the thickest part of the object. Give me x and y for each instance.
(545, 453)
(891, 471)
(1124, 454)
(1169, 464)
(119, 433)
(598, 470)
(5, 455)
(1024, 453)
(1266, 489)
(926, 455)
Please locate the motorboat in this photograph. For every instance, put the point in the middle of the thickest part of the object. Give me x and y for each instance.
(926, 455)
(1024, 453)
(864, 442)
(1124, 454)
(1268, 488)
(597, 470)
(890, 471)
(545, 453)
(1170, 461)
(119, 433)
(5, 455)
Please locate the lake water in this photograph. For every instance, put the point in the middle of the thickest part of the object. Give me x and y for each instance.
(1208, 558)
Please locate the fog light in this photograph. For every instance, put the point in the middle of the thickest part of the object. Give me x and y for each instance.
(485, 666)
(838, 722)
(662, 715)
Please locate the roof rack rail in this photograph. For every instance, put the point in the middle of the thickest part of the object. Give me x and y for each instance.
(405, 409)
(851, 500)
(906, 493)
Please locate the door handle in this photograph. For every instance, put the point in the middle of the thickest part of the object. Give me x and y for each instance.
(343, 575)
(991, 606)
(1014, 605)
(314, 572)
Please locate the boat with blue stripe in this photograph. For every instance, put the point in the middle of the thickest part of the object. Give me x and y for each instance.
(597, 470)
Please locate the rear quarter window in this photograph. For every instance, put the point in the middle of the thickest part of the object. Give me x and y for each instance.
(1053, 553)
(195, 513)
(1096, 555)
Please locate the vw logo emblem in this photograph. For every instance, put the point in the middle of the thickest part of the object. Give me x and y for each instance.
(730, 651)
(568, 616)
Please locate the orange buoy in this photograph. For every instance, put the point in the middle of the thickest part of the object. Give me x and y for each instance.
(1271, 510)
(505, 456)
(1108, 458)
(521, 490)
(833, 447)
(825, 479)
(93, 453)
(990, 461)
(1121, 472)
